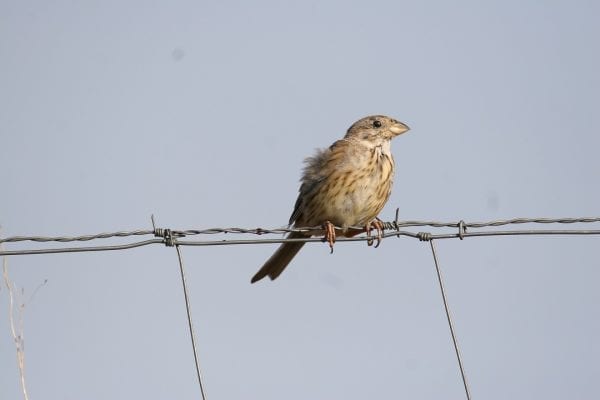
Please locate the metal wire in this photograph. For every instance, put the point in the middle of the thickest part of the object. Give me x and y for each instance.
(80, 249)
(172, 237)
(83, 238)
(190, 324)
(450, 324)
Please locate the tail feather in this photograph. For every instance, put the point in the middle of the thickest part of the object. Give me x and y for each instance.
(275, 265)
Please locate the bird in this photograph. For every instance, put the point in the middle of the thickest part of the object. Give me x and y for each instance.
(345, 185)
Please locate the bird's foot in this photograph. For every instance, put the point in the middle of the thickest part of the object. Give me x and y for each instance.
(378, 225)
(329, 234)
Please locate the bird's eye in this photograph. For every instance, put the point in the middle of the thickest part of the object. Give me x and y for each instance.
(377, 124)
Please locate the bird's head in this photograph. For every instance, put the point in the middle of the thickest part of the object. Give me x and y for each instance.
(376, 128)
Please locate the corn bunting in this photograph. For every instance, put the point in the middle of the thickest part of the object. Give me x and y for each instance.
(343, 186)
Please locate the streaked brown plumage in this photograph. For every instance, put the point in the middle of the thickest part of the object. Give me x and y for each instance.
(345, 185)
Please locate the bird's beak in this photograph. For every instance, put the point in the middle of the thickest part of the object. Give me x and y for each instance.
(399, 128)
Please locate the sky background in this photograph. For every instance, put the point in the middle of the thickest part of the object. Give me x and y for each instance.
(201, 112)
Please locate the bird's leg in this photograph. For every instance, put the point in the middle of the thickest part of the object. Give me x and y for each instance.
(378, 225)
(329, 234)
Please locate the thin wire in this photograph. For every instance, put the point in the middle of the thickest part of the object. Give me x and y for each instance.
(392, 225)
(80, 249)
(417, 235)
(190, 324)
(460, 364)
(83, 238)
(501, 222)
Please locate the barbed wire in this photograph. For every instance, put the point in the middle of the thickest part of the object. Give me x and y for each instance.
(175, 238)
(172, 237)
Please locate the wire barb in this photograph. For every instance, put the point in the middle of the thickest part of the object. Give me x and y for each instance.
(167, 235)
(461, 229)
(424, 236)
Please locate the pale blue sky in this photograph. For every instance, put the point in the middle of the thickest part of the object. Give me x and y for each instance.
(202, 112)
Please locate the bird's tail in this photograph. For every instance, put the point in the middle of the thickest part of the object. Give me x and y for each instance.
(275, 265)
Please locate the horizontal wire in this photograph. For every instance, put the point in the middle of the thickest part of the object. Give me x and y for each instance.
(501, 222)
(392, 225)
(173, 237)
(81, 249)
(83, 238)
(420, 235)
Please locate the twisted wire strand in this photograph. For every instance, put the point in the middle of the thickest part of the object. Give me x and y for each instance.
(171, 237)
(83, 238)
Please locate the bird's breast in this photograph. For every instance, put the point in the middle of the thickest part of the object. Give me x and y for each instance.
(355, 191)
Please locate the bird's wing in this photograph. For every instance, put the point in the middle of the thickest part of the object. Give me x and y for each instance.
(314, 173)
(297, 209)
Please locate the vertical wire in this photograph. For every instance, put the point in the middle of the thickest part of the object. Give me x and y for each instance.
(458, 357)
(190, 324)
